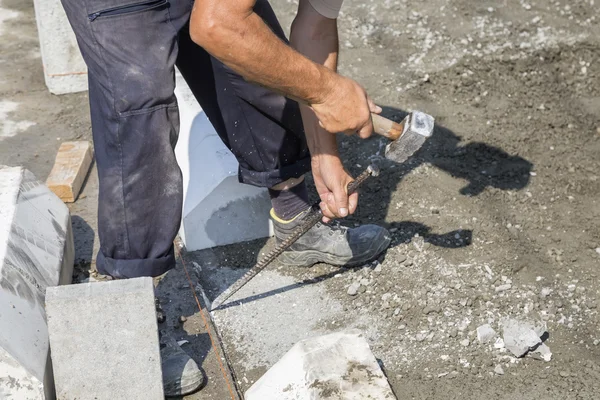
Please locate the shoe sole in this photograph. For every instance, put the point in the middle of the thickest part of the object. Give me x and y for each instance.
(308, 258)
(188, 389)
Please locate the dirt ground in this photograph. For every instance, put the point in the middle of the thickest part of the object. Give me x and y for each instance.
(498, 215)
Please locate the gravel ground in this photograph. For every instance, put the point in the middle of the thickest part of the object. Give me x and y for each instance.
(497, 216)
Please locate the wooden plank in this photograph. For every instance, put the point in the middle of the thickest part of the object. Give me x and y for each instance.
(70, 169)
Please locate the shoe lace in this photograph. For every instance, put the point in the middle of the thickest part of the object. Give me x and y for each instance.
(337, 228)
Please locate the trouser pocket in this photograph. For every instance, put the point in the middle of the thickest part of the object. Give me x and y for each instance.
(137, 43)
(128, 8)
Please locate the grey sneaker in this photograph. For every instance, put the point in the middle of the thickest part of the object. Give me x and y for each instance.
(181, 375)
(331, 243)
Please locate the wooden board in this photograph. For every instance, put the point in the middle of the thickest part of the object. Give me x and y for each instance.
(70, 169)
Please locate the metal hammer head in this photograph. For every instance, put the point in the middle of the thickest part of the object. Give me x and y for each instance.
(418, 126)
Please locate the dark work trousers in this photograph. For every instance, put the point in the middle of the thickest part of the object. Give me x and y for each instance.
(131, 48)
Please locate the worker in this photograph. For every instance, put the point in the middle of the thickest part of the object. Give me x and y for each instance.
(276, 104)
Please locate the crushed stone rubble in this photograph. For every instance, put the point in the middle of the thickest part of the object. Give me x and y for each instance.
(446, 317)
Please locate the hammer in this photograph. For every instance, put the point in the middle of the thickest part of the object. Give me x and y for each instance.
(407, 137)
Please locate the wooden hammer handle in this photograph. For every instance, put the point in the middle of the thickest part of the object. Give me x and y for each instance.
(385, 127)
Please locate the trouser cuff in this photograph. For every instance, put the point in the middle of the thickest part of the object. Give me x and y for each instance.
(124, 269)
(271, 178)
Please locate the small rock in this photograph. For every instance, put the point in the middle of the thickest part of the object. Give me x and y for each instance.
(182, 319)
(453, 333)
(430, 309)
(520, 337)
(421, 336)
(364, 282)
(545, 292)
(499, 343)
(498, 370)
(485, 333)
(353, 289)
(377, 268)
(564, 374)
(465, 342)
(503, 288)
(160, 316)
(542, 352)
(401, 258)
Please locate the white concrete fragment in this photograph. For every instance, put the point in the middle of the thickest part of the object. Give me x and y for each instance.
(485, 333)
(36, 252)
(542, 352)
(104, 340)
(499, 344)
(498, 370)
(353, 289)
(64, 68)
(217, 209)
(503, 288)
(337, 366)
(520, 337)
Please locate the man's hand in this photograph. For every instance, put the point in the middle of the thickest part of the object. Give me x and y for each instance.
(346, 109)
(331, 181)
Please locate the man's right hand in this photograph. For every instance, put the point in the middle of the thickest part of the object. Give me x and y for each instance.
(346, 108)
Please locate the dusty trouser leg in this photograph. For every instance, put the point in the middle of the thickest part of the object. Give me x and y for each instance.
(130, 49)
(130, 53)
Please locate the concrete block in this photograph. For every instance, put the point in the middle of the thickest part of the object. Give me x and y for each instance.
(104, 340)
(64, 68)
(337, 366)
(217, 210)
(36, 252)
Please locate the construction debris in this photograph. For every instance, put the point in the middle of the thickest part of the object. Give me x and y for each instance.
(338, 365)
(522, 337)
(542, 352)
(353, 289)
(485, 333)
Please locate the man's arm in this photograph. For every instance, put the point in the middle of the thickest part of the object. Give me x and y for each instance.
(316, 37)
(233, 33)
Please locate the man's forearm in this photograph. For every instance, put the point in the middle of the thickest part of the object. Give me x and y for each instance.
(238, 37)
(316, 37)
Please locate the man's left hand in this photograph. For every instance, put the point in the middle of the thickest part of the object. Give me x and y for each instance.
(331, 181)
